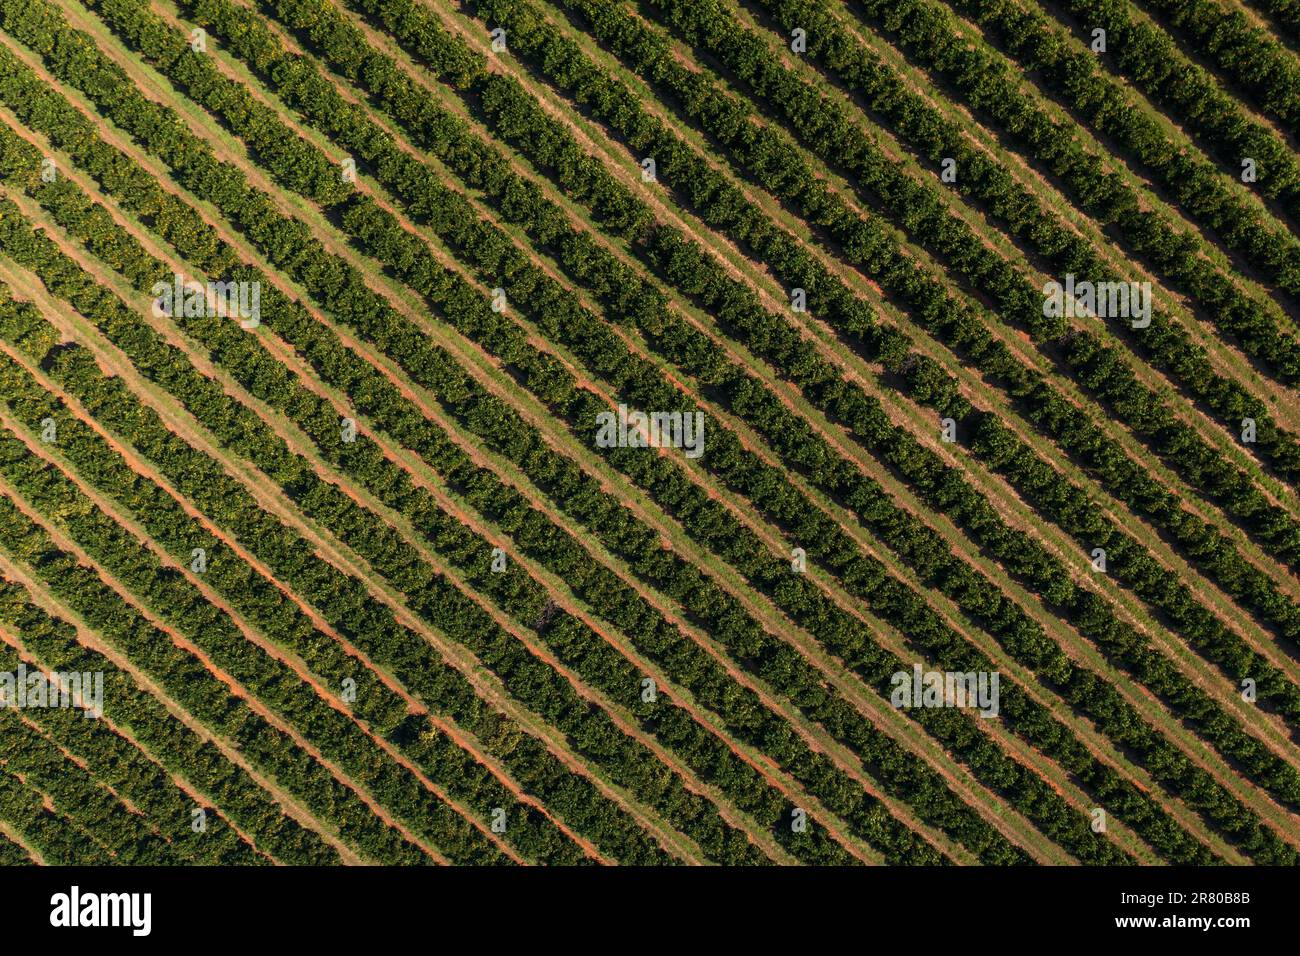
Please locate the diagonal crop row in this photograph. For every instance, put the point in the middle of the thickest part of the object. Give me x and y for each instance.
(53, 493)
(1251, 58)
(128, 771)
(997, 445)
(57, 839)
(1066, 424)
(330, 505)
(1099, 368)
(419, 435)
(165, 738)
(188, 681)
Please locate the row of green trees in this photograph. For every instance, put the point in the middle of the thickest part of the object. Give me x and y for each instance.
(12, 853)
(1057, 499)
(408, 255)
(94, 813)
(1249, 56)
(711, 686)
(114, 762)
(186, 679)
(53, 835)
(563, 318)
(919, 208)
(223, 784)
(181, 604)
(1141, 51)
(291, 557)
(586, 333)
(284, 550)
